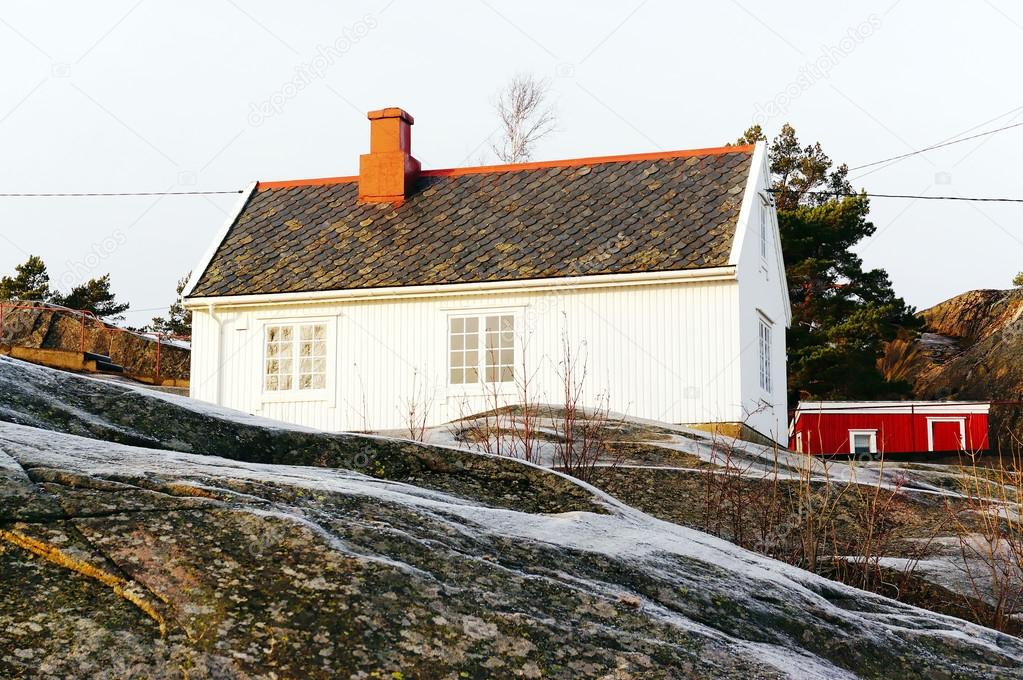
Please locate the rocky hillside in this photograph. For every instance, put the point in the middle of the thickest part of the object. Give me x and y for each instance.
(972, 348)
(36, 325)
(147, 536)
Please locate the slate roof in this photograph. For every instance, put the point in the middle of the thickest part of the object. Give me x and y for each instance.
(658, 212)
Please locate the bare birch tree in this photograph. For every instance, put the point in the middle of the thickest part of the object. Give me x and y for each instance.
(526, 117)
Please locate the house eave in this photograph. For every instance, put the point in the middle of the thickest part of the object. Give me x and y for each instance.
(812, 408)
(199, 269)
(565, 284)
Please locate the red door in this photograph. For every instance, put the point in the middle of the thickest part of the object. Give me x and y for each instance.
(946, 435)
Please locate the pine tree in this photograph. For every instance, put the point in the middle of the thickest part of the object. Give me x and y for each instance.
(94, 296)
(841, 314)
(31, 281)
(178, 320)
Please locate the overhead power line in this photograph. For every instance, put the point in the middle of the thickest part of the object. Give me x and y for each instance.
(981, 199)
(773, 191)
(936, 146)
(66, 194)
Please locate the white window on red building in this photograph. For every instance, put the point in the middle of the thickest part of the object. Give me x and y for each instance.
(862, 441)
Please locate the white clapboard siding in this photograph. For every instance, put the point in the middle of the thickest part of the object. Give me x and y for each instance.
(666, 352)
(763, 293)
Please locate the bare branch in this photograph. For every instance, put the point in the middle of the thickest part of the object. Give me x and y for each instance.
(525, 116)
(417, 407)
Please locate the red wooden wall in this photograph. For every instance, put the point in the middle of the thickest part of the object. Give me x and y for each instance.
(828, 433)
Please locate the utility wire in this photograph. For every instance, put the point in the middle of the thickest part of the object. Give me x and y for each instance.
(117, 193)
(936, 146)
(773, 191)
(912, 196)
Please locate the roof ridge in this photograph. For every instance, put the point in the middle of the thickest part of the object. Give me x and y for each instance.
(532, 165)
(589, 160)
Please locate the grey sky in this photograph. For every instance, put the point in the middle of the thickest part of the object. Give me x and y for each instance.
(146, 95)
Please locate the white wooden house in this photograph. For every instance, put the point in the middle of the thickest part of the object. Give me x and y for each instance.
(336, 302)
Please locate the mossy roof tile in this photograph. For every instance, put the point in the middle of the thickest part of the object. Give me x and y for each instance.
(602, 218)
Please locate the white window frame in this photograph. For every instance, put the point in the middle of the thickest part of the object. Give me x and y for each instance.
(765, 223)
(482, 387)
(870, 433)
(295, 394)
(957, 419)
(765, 362)
(799, 442)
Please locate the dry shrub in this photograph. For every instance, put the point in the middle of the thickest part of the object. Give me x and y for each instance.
(581, 448)
(580, 432)
(811, 518)
(988, 522)
(526, 425)
(417, 408)
(502, 429)
(879, 531)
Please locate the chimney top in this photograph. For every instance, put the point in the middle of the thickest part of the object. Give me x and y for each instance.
(391, 112)
(388, 171)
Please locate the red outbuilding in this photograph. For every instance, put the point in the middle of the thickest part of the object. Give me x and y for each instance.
(889, 427)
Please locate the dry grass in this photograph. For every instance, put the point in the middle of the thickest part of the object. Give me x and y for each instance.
(989, 527)
(804, 514)
(844, 527)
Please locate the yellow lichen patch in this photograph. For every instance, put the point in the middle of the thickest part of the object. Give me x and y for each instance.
(188, 490)
(56, 556)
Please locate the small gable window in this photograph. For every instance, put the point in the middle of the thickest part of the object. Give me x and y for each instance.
(295, 357)
(765, 354)
(481, 348)
(765, 221)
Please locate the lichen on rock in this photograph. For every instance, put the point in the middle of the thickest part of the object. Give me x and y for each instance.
(268, 554)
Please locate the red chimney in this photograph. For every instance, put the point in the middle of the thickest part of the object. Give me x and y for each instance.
(387, 172)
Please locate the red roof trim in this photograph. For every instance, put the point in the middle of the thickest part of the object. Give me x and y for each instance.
(289, 183)
(514, 167)
(594, 160)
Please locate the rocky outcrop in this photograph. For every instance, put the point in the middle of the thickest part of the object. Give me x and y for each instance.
(129, 549)
(975, 315)
(42, 326)
(52, 400)
(972, 350)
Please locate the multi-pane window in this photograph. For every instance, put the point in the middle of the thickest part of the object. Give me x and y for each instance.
(312, 357)
(295, 357)
(464, 338)
(499, 348)
(481, 348)
(765, 355)
(279, 361)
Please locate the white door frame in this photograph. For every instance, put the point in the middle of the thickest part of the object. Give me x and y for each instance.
(962, 430)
